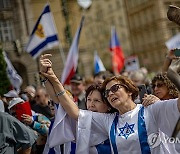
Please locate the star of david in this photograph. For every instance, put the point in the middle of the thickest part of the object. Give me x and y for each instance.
(126, 130)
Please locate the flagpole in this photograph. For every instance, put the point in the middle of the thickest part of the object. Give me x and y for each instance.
(60, 46)
(62, 53)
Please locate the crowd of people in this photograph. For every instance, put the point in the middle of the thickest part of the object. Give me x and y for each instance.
(125, 113)
(121, 121)
(102, 116)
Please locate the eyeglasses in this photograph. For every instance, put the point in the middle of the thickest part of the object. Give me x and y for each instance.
(158, 85)
(113, 89)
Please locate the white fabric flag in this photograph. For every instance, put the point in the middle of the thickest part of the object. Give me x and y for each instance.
(63, 131)
(98, 65)
(14, 78)
(72, 58)
(44, 35)
(174, 42)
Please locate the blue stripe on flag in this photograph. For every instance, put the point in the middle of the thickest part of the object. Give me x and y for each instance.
(43, 44)
(142, 133)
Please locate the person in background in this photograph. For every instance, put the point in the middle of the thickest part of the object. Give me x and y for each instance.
(88, 82)
(101, 76)
(30, 92)
(40, 124)
(42, 99)
(78, 90)
(163, 88)
(8, 97)
(137, 77)
(13, 104)
(15, 136)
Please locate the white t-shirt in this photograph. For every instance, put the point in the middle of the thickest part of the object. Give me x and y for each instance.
(159, 117)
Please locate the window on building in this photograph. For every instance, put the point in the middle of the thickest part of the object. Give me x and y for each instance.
(118, 4)
(5, 4)
(6, 31)
(112, 21)
(99, 15)
(120, 21)
(110, 8)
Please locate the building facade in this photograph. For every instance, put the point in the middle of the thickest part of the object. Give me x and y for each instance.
(101, 16)
(142, 27)
(17, 19)
(150, 29)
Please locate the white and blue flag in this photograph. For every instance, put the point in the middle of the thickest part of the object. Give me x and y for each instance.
(12, 74)
(98, 65)
(173, 42)
(44, 35)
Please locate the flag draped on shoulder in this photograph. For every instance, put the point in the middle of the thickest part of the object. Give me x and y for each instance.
(14, 78)
(98, 65)
(44, 35)
(72, 58)
(117, 53)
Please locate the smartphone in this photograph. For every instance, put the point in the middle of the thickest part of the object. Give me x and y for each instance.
(177, 52)
(142, 91)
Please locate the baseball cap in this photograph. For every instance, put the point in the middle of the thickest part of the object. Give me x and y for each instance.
(77, 78)
(15, 101)
(11, 93)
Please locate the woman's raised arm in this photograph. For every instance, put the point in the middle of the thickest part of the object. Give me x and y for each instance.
(66, 102)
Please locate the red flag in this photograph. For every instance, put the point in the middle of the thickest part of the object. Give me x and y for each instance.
(72, 58)
(117, 53)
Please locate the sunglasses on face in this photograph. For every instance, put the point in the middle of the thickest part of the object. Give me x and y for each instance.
(113, 89)
(158, 85)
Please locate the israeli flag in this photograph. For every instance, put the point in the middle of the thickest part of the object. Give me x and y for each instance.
(98, 65)
(13, 76)
(44, 35)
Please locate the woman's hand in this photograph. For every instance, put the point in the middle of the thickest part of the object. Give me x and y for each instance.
(149, 99)
(45, 62)
(46, 68)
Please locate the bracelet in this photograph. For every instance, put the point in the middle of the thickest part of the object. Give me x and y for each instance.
(44, 80)
(60, 93)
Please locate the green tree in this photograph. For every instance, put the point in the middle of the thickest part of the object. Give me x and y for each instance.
(4, 81)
